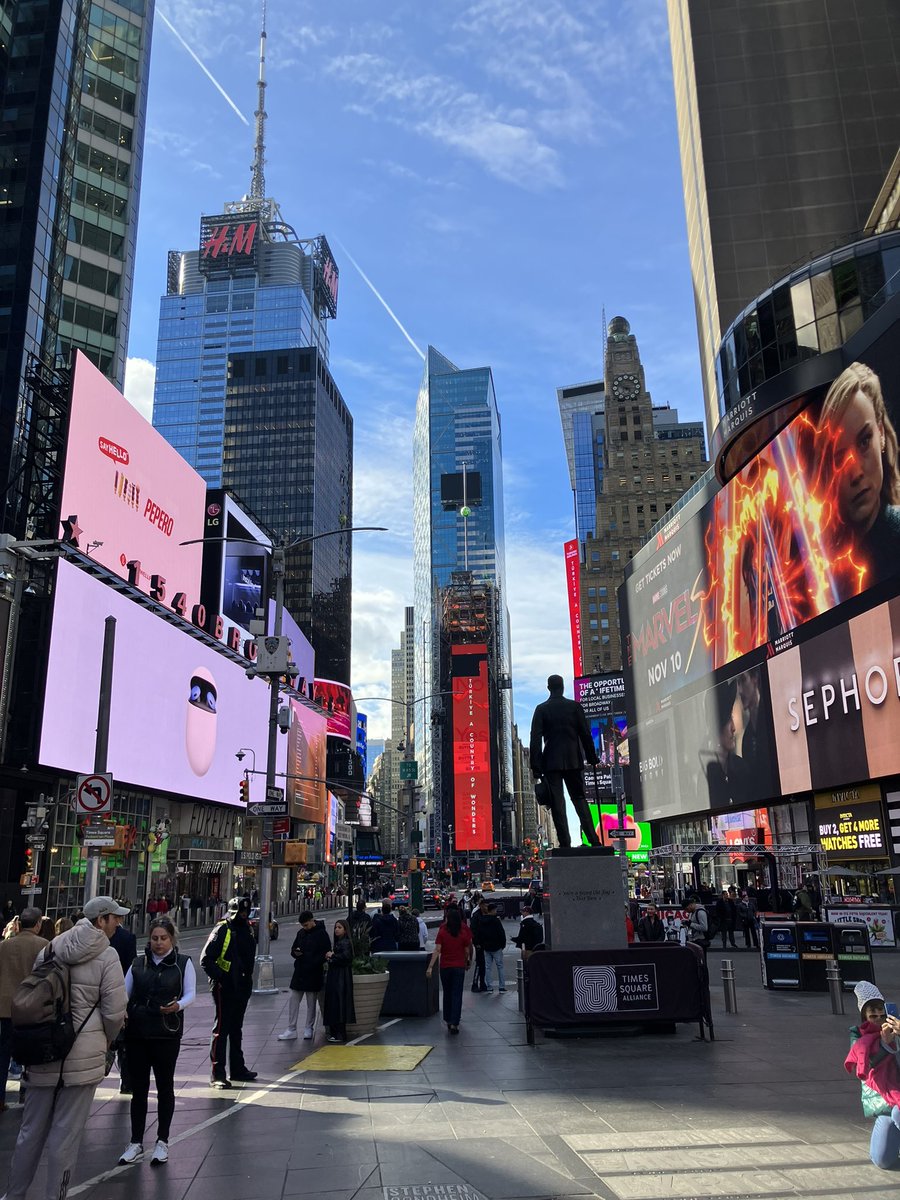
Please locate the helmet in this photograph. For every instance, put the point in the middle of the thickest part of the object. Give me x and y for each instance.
(238, 906)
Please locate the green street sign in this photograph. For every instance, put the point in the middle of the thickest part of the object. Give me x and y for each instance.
(409, 768)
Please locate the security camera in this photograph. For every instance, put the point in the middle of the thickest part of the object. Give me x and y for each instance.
(240, 756)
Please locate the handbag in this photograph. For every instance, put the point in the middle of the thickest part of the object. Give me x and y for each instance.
(542, 793)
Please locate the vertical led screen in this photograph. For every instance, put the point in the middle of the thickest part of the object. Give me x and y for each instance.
(603, 699)
(573, 589)
(337, 701)
(306, 790)
(472, 808)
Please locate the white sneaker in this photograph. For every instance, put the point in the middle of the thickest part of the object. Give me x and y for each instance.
(160, 1154)
(132, 1153)
(307, 1033)
(289, 1034)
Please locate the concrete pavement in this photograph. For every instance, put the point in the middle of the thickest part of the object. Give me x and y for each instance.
(765, 1111)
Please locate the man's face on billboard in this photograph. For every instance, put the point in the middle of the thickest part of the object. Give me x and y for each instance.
(857, 457)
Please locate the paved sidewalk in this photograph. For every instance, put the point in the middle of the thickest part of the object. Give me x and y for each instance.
(765, 1111)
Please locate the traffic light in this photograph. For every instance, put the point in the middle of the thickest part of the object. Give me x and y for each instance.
(29, 858)
(421, 864)
(245, 791)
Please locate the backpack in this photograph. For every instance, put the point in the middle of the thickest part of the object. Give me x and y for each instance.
(715, 925)
(42, 1027)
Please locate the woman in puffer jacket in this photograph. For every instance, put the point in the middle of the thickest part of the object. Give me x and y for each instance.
(54, 1117)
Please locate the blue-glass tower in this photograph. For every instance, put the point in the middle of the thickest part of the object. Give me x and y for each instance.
(457, 435)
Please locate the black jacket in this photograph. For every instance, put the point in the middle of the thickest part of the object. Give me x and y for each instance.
(491, 933)
(240, 955)
(124, 943)
(154, 985)
(559, 734)
(651, 929)
(338, 1002)
(531, 934)
(309, 968)
(385, 932)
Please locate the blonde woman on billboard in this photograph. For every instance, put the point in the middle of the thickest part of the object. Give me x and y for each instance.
(855, 429)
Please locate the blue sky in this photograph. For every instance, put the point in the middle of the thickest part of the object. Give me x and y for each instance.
(501, 170)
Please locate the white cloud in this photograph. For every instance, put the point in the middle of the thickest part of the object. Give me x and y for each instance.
(139, 378)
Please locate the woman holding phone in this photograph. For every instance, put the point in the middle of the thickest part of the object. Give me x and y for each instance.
(874, 1059)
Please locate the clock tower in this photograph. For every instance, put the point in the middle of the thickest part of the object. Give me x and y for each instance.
(650, 460)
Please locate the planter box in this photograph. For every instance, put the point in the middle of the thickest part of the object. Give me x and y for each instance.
(368, 994)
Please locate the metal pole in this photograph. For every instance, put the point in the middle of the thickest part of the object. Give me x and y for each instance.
(621, 843)
(264, 975)
(835, 986)
(520, 984)
(729, 985)
(351, 873)
(101, 745)
(21, 569)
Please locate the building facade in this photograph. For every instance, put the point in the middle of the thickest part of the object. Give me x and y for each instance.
(638, 459)
(73, 90)
(784, 141)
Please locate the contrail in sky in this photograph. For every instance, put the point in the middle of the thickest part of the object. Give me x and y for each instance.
(204, 69)
(390, 312)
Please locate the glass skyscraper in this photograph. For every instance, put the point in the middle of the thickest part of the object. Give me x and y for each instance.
(457, 434)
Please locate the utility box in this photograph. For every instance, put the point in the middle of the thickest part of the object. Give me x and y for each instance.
(779, 955)
(853, 952)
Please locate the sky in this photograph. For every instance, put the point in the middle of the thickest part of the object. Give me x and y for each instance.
(503, 171)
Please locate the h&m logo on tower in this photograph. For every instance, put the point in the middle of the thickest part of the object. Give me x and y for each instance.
(228, 241)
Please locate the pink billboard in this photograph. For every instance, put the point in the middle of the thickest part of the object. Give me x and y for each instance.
(129, 497)
(306, 741)
(180, 709)
(573, 587)
(337, 701)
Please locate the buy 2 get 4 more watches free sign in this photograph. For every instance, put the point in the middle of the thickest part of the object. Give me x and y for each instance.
(850, 823)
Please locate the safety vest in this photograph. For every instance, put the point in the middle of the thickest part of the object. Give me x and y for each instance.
(222, 962)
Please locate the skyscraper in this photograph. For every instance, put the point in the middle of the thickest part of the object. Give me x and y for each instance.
(649, 460)
(581, 411)
(788, 119)
(73, 93)
(460, 592)
(402, 735)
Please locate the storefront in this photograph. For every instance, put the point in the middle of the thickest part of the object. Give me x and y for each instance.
(853, 834)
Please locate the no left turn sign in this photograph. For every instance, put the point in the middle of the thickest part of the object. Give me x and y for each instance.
(93, 794)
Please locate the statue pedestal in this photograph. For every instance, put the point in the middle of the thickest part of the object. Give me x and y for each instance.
(587, 902)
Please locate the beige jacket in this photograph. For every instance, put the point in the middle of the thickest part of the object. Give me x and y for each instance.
(95, 976)
(17, 955)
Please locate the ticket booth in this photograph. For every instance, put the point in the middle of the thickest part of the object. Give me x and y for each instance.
(780, 955)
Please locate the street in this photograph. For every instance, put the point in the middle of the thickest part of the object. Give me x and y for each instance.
(766, 1110)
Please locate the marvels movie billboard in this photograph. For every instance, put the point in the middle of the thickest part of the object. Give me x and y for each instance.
(472, 807)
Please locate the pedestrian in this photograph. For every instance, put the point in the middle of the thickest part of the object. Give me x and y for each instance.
(339, 1010)
(124, 943)
(45, 929)
(62, 924)
(479, 984)
(453, 950)
(408, 938)
(228, 959)
(493, 942)
(185, 907)
(803, 904)
(874, 1047)
(17, 955)
(747, 920)
(54, 1117)
(385, 931)
(309, 952)
(161, 983)
(629, 926)
(697, 924)
(9, 911)
(360, 919)
(422, 927)
(650, 928)
(531, 933)
(726, 913)
(11, 928)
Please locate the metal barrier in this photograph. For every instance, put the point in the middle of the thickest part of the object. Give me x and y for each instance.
(835, 986)
(728, 983)
(520, 984)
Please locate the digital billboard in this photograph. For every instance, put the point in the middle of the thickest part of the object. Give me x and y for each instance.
(850, 824)
(362, 742)
(306, 744)
(180, 709)
(603, 699)
(128, 497)
(606, 819)
(472, 804)
(573, 590)
(337, 701)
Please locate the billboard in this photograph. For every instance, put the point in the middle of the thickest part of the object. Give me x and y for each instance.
(337, 701)
(573, 589)
(180, 709)
(850, 824)
(306, 743)
(472, 802)
(130, 500)
(606, 818)
(362, 742)
(229, 243)
(603, 699)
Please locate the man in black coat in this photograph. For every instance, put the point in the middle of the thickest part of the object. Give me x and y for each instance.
(228, 959)
(124, 942)
(559, 735)
(310, 948)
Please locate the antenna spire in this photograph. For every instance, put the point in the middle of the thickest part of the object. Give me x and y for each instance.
(258, 170)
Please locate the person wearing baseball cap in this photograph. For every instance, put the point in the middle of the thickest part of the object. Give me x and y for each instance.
(873, 1059)
(228, 959)
(55, 1116)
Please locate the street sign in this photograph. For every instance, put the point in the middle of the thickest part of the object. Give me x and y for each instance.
(99, 833)
(37, 841)
(281, 826)
(93, 794)
(617, 775)
(31, 891)
(409, 769)
(274, 793)
(277, 808)
(622, 833)
(343, 831)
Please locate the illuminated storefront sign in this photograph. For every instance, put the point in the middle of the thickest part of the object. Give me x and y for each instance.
(850, 823)
(473, 825)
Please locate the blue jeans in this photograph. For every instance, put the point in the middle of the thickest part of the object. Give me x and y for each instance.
(452, 981)
(884, 1148)
(494, 958)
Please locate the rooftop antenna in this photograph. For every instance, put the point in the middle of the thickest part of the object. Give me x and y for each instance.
(258, 170)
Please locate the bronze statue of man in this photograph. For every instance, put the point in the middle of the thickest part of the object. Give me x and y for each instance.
(560, 743)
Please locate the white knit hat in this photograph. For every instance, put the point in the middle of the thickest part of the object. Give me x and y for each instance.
(865, 992)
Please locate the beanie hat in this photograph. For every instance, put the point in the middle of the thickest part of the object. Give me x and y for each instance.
(865, 992)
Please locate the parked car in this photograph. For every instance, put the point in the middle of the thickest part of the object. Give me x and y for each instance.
(253, 921)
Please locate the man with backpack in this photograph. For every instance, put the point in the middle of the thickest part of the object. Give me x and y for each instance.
(78, 975)
(17, 955)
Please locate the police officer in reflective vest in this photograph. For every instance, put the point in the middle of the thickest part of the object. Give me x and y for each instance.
(228, 959)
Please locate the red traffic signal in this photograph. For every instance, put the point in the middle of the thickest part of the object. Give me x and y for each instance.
(245, 791)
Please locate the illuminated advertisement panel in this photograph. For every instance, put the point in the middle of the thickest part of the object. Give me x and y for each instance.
(573, 589)
(850, 823)
(307, 741)
(812, 522)
(362, 742)
(229, 243)
(472, 807)
(337, 701)
(127, 496)
(603, 699)
(606, 819)
(180, 709)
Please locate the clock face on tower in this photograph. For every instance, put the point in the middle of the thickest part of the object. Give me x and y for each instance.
(626, 387)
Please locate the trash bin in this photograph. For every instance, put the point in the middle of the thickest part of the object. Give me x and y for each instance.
(409, 992)
(816, 948)
(853, 951)
(779, 955)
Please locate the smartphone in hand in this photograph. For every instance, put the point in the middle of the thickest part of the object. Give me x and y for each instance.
(891, 1009)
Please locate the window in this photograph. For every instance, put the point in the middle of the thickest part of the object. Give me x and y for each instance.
(614, 555)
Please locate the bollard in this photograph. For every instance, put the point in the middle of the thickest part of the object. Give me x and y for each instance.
(520, 984)
(729, 985)
(835, 986)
